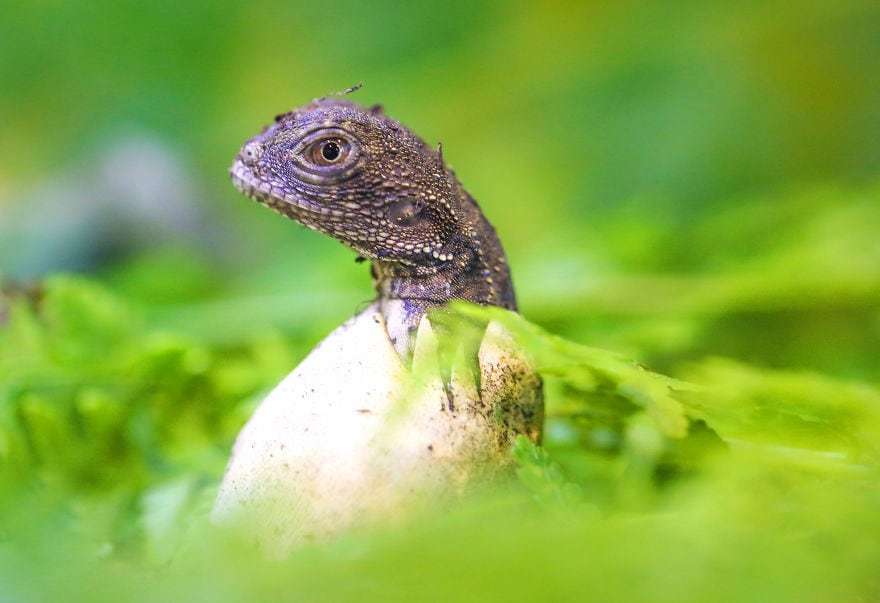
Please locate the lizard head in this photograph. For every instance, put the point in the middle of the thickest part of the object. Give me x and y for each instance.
(356, 175)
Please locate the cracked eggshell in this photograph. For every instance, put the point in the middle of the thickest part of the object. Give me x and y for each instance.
(353, 435)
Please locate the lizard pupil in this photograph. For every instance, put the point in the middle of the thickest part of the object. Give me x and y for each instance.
(330, 151)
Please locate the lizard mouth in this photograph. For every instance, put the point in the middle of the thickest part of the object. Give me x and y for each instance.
(286, 203)
(309, 213)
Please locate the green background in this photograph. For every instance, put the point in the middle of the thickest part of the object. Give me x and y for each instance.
(679, 182)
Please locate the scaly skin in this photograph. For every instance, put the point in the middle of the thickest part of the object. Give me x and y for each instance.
(364, 179)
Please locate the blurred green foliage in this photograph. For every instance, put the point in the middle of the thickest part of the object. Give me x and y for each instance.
(738, 483)
(693, 185)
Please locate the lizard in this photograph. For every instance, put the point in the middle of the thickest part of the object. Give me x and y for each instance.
(357, 175)
(332, 445)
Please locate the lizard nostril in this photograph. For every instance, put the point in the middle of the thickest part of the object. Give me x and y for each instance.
(250, 153)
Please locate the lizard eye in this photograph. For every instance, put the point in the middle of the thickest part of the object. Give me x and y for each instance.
(326, 156)
(328, 151)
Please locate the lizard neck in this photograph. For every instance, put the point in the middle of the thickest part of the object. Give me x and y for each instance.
(471, 266)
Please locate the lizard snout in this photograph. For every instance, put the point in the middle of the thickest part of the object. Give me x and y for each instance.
(250, 153)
